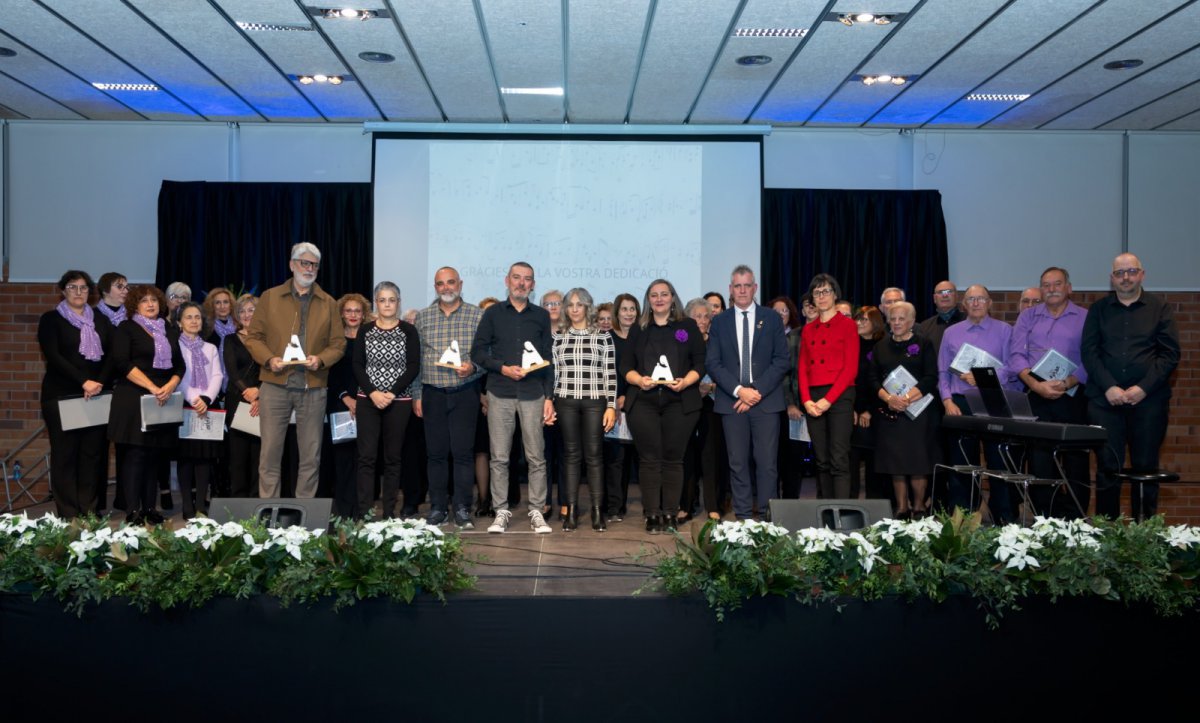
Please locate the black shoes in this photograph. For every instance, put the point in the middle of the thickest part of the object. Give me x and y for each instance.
(654, 524)
(568, 520)
(598, 520)
(153, 517)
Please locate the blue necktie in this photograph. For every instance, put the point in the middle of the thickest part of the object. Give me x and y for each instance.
(745, 380)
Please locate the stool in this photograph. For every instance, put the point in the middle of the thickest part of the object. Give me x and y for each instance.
(972, 469)
(1141, 477)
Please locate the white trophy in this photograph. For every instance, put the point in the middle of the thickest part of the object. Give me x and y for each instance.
(662, 372)
(451, 358)
(531, 360)
(293, 354)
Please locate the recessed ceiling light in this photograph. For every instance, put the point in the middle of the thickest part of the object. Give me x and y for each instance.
(754, 60)
(321, 78)
(375, 56)
(347, 13)
(885, 79)
(125, 86)
(770, 32)
(531, 91)
(1123, 64)
(1018, 97)
(851, 19)
(271, 27)
(7, 52)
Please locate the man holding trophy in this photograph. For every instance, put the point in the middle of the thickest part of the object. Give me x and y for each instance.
(447, 397)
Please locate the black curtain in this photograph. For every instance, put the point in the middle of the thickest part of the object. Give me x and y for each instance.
(241, 234)
(868, 241)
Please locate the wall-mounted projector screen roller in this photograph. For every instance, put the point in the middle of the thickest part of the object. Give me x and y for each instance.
(609, 215)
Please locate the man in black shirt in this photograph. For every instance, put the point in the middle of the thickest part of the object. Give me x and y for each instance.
(516, 391)
(1130, 347)
(949, 312)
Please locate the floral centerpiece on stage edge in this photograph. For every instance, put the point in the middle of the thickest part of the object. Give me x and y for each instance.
(86, 561)
(1143, 563)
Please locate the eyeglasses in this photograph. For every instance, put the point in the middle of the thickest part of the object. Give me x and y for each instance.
(120, 286)
(977, 299)
(1125, 273)
(822, 292)
(551, 304)
(179, 297)
(77, 288)
(1030, 302)
(308, 265)
(944, 293)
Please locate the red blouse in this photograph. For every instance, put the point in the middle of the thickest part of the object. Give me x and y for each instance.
(828, 355)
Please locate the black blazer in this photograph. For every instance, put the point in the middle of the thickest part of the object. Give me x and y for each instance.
(686, 356)
(66, 369)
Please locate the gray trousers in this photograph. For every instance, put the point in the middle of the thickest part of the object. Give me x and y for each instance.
(275, 407)
(501, 419)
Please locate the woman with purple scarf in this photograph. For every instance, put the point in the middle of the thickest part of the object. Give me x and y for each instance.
(74, 340)
(202, 382)
(146, 360)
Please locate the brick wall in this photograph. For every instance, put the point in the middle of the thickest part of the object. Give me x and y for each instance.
(21, 372)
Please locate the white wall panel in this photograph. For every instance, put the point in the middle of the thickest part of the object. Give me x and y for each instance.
(1164, 216)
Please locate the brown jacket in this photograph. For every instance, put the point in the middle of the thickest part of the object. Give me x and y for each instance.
(275, 320)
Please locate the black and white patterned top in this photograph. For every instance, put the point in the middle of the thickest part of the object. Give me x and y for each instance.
(387, 359)
(585, 366)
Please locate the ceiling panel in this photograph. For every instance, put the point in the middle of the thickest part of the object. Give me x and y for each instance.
(1153, 44)
(527, 51)
(679, 51)
(126, 34)
(1142, 89)
(398, 87)
(36, 72)
(305, 53)
(619, 61)
(210, 37)
(1187, 123)
(21, 101)
(1009, 35)
(446, 38)
(919, 44)
(1159, 112)
(733, 90)
(1089, 35)
(601, 67)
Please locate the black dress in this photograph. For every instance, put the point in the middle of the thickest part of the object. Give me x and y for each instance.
(133, 347)
(77, 461)
(905, 446)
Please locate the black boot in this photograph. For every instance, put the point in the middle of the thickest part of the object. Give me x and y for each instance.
(598, 519)
(569, 523)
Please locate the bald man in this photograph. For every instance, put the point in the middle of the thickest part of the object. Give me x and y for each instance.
(948, 312)
(1130, 347)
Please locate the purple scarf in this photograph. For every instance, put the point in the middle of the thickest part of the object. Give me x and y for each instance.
(224, 329)
(157, 328)
(197, 365)
(116, 317)
(89, 340)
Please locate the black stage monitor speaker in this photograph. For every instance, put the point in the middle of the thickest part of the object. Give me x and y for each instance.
(834, 514)
(273, 511)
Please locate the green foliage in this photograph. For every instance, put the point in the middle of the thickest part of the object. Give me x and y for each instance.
(936, 558)
(86, 561)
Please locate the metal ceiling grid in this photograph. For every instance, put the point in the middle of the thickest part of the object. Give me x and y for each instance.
(526, 40)
(32, 76)
(1145, 88)
(1077, 43)
(1161, 112)
(601, 67)
(1002, 41)
(448, 42)
(680, 48)
(733, 90)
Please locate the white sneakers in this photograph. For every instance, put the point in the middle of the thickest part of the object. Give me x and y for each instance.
(537, 523)
(500, 524)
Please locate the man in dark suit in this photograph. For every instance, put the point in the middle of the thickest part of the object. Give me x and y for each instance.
(748, 358)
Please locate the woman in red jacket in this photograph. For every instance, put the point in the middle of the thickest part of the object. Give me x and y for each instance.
(828, 367)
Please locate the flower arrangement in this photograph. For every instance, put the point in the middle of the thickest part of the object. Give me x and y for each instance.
(936, 557)
(86, 561)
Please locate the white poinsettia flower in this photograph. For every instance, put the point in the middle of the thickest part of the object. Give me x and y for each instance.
(231, 529)
(1181, 536)
(868, 553)
(820, 539)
